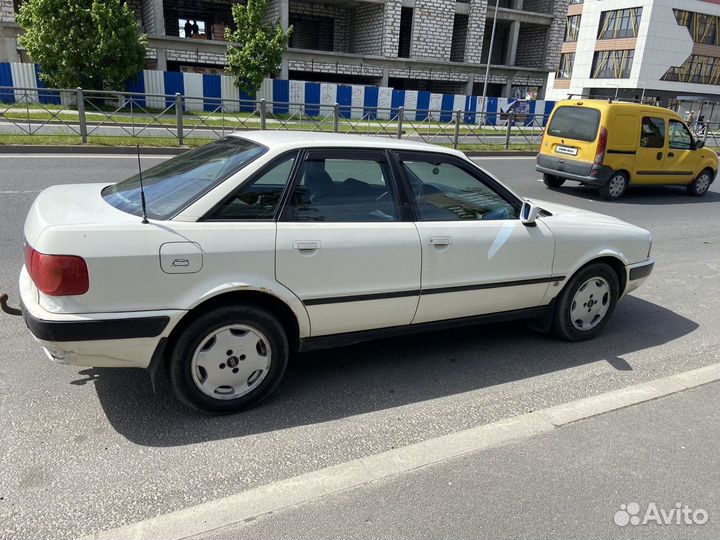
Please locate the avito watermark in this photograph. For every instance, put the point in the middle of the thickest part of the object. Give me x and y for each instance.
(680, 514)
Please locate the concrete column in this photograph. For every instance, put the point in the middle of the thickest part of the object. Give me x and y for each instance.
(385, 80)
(507, 89)
(517, 4)
(284, 68)
(469, 85)
(513, 37)
(161, 60)
(284, 14)
(11, 49)
(159, 16)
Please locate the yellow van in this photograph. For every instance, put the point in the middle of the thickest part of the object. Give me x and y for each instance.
(613, 144)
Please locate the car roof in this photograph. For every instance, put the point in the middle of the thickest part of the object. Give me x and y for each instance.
(607, 104)
(288, 140)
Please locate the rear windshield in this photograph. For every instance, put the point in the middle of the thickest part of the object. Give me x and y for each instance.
(178, 182)
(579, 123)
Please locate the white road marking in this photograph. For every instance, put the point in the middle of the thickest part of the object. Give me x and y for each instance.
(290, 492)
(15, 192)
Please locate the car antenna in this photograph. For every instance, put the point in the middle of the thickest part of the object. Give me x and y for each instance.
(142, 189)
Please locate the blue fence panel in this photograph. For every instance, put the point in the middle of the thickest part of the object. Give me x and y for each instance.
(174, 84)
(423, 105)
(470, 105)
(370, 102)
(137, 85)
(6, 79)
(344, 99)
(211, 92)
(281, 96)
(446, 107)
(396, 101)
(51, 97)
(312, 99)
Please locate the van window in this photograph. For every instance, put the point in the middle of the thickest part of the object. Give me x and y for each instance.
(680, 137)
(653, 132)
(571, 122)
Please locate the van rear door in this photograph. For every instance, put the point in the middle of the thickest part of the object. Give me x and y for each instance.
(572, 135)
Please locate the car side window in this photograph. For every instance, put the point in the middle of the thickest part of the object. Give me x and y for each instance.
(258, 198)
(653, 132)
(679, 136)
(337, 189)
(446, 192)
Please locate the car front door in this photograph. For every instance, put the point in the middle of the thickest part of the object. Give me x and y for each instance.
(650, 156)
(683, 161)
(477, 257)
(343, 246)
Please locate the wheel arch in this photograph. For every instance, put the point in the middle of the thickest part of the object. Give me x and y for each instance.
(612, 260)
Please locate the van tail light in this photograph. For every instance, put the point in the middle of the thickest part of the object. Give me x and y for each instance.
(57, 275)
(600, 152)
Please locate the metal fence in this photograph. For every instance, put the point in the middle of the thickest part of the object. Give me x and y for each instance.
(84, 114)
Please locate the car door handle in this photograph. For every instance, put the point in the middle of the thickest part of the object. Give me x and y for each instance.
(307, 245)
(440, 241)
(659, 156)
(671, 154)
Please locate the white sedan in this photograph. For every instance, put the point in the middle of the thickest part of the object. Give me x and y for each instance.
(265, 243)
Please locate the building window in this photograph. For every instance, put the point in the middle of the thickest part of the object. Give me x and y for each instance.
(577, 2)
(612, 64)
(406, 22)
(696, 69)
(703, 28)
(622, 23)
(566, 66)
(572, 28)
(191, 28)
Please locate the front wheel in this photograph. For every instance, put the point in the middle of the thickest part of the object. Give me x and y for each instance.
(615, 187)
(229, 359)
(701, 184)
(586, 303)
(553, 181)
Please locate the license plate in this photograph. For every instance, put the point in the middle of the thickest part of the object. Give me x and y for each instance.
(567, 150)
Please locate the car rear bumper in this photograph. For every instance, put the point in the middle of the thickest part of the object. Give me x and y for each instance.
(96, 339)
(578, 171)
(637, 274)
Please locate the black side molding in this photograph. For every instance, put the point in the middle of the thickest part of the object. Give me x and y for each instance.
(624, 152)
(139, 327)
(348, 338)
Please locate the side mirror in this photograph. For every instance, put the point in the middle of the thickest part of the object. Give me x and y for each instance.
(528, 214)
(699, 145)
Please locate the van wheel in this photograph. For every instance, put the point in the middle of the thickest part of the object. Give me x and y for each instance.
(586, 303)
(552, 181)
(615, 187)
(701, 184)
(229, 359)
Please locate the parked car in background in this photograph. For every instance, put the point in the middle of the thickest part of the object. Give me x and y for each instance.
(613, 145)
(271, 242)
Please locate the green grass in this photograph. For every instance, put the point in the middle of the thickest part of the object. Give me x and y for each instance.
(74, 140)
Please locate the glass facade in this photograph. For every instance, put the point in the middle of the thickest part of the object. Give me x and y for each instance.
(696, 69)
(566, 66)
(572, 28)
(612, 64)
(703, 28)
(621, 23)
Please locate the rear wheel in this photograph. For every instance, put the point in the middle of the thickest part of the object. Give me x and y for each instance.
(701, 184)
(553, 181)
(229, 359)
(586, 303)
(615, 187)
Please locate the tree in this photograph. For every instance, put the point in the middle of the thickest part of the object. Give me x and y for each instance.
(94, 44)
(256, 47)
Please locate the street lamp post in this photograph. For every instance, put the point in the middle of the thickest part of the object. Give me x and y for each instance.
(489, 57)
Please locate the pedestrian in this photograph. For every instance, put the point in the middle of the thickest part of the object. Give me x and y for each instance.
(701, 125)
(195, 28)
(188, 29)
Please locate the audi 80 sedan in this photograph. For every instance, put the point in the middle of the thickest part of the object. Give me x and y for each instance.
(217, 264)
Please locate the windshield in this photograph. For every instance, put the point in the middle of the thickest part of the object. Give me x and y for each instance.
(579, 123)
(173, 185)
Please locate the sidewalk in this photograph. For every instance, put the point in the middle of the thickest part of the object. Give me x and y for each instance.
(567, 483)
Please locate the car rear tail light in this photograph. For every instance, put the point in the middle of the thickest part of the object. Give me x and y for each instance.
(600, 151)
(57, 275)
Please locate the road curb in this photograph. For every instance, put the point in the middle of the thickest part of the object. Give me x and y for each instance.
(108, 150)
(282, 494)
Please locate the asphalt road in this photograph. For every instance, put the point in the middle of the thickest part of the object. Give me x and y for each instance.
(91, 449)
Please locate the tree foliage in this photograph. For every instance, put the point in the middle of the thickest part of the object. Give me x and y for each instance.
(89, 43)
(256, 47)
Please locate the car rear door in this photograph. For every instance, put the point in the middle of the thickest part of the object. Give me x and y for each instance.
(343, 246)
(650, 157)
(477, 257)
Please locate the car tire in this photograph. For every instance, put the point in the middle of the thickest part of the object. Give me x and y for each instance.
(701, 184)
(586, 303)
(615, 187)
(229, 359)
(553, 181)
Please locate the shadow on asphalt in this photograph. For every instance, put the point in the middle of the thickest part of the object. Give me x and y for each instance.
(645, 195)
(329, 385)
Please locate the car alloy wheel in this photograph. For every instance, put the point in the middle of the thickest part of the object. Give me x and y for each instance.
(231, 361)
(702, 183)
(590, 304)
(616, 186)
